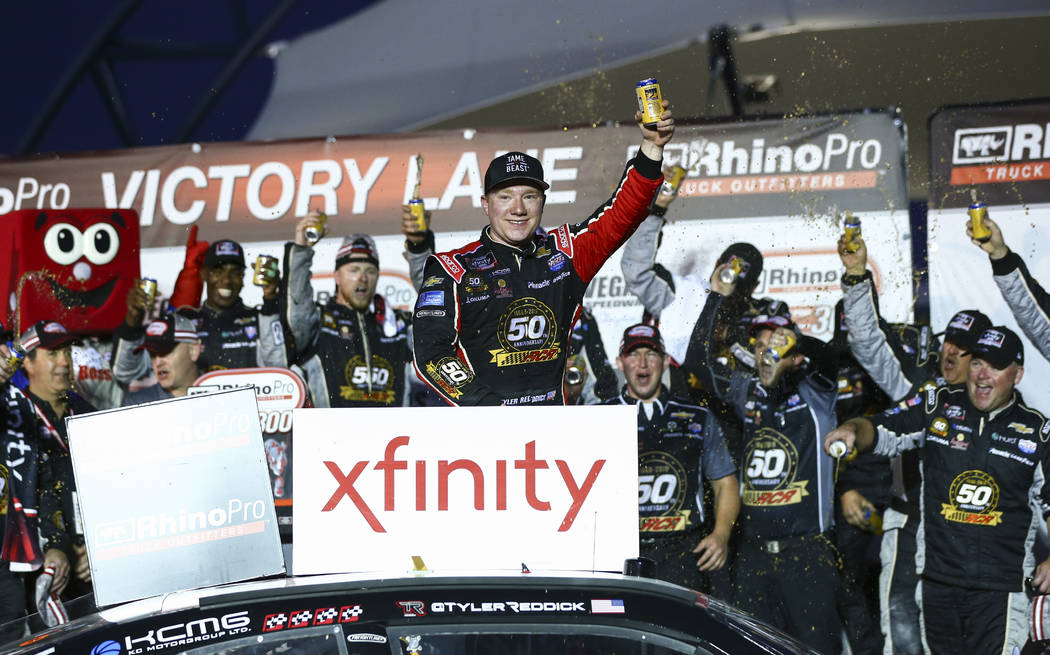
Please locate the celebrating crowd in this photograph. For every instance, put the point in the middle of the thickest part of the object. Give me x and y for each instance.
(772, 465)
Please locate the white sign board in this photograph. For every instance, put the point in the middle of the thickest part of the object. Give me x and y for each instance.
(174, 495)
(465, 488)
(961, 278)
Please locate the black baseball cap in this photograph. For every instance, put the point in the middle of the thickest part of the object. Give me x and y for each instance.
(165, 333)
(641, 335)
(999, 346)
(46, 334)
(749, 254)
(965, 328)
(224, 251)
(515, 167)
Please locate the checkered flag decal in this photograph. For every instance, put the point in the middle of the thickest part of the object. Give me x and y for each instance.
(300, 618)
(274, 622)
(349, 613)
(325, 616)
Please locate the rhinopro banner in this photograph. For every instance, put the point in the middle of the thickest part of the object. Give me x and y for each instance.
(178, 489)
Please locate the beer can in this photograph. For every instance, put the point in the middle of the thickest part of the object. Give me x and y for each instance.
(978, 211)
(650, 102)
(734, 267)
(851, 227)
(149, 287)
(839, 450)
(415, 207)
(772, 356)
(266, 270)
(873, 520)
(14, 360)
(671, 184)
(314, 233)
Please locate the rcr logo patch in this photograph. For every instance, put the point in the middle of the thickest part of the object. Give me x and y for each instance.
(527, 333)
(972, 499)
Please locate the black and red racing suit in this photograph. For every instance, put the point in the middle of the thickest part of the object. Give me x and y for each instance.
(492, 321)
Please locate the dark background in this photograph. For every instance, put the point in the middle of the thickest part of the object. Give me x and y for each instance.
(164, 56)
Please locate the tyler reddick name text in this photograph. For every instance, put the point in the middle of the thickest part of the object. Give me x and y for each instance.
(529, 465)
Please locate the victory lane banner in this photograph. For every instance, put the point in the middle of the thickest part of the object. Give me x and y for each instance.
(257, 191)
(176, 488)
(465, 488)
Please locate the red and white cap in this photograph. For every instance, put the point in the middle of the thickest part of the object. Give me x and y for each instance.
(641, 335)
(46, 334)
(165, 333)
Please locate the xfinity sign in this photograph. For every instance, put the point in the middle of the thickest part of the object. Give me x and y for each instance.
(466, 488)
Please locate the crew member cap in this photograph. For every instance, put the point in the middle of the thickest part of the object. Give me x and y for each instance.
(965, 328)
(357, 247)
(45, 334)
(641, 335)
(771, 322)
(224, 251)
(999, 346)
(163, 334)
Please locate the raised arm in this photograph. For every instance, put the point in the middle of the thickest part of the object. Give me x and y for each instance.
(300, 315)
(1028, 301)
(868, 336)
(595, 239)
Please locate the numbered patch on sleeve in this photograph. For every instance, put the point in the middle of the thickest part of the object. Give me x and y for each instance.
(449, 374)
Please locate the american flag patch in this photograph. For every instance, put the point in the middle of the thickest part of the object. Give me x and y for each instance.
(606, 606)
(274, 622)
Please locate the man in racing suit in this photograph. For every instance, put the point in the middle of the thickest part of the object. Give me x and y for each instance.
(786, 568)
(228, 329)
(492, 318)
(902, 360)
(984, 457)
(1028, 301)
(679, 445)
(355, 349)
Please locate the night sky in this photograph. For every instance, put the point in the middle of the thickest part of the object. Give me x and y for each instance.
(41, 41)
